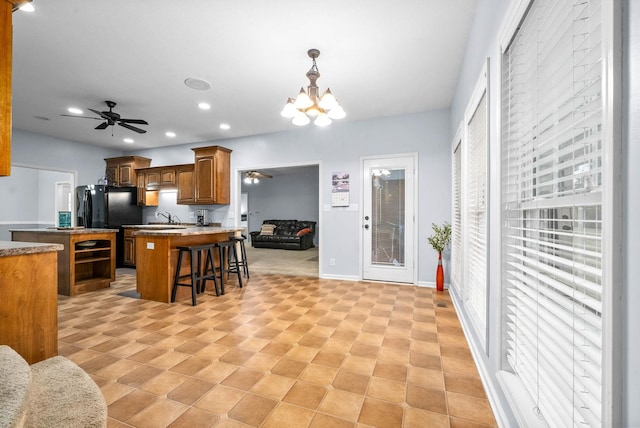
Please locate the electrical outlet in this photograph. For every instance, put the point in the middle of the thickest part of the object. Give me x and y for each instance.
(192, 214)
(332, 262)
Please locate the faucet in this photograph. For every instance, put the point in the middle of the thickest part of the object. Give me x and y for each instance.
(167, 216)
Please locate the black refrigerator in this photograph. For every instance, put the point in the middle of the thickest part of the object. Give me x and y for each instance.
(100, 206)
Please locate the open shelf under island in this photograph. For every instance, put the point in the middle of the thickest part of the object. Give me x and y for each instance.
(88, 261)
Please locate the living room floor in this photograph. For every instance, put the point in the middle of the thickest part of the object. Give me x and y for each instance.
(284, 351)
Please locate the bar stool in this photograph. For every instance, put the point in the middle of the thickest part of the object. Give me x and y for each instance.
(197, 276)
(225, 248)
(242, 263)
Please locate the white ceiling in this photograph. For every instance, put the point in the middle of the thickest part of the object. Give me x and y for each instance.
(380, 58)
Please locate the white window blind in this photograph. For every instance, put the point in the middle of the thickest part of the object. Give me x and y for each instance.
(551, 191)
(457, 248)
(475, 275)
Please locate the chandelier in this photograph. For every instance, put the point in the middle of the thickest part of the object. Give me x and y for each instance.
(308, 105)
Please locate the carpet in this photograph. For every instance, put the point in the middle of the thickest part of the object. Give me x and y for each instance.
(283, 262)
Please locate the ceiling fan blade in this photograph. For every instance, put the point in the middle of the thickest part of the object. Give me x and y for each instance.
(133, 128)
(263, 175)
(99, 113)
(81, 117)
(103, 125)
(138, 121)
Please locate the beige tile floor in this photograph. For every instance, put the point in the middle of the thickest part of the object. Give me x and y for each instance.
(282, 352)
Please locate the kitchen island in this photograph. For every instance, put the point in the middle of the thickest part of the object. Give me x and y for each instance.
(29, 304)
(88, 260)
(157, 256)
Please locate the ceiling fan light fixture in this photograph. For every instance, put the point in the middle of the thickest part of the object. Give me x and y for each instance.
(128, 140)
(309, 105)
(225, 126)
(170, 134)
(204, 106)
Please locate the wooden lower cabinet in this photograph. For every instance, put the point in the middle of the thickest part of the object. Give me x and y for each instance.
(88, 261)
(29, 305)
(129, 247)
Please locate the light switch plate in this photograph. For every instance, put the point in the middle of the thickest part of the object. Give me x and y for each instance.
(150, 245)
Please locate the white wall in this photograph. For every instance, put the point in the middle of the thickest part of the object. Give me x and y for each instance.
(340, 147)
(38, 150)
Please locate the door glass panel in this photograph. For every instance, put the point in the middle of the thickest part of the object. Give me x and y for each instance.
(387, 217)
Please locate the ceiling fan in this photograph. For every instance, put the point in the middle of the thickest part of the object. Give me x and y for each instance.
(111, 118)
(255, 176)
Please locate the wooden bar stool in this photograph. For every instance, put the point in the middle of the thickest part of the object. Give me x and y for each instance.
(198, 275)
(225, 250)
(242, 262)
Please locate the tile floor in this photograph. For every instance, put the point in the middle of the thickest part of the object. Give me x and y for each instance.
(281, 352)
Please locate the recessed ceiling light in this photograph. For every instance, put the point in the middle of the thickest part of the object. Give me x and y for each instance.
(170, 134)
(225, 126)
(74, 110)
(128, 140)
(27, 7)
(199, 84)
(204, 106)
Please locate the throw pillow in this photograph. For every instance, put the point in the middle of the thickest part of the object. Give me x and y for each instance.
(267, 229)
(304, 231)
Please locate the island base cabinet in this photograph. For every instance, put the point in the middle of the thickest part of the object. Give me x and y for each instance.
(29, 305)
(87, 262)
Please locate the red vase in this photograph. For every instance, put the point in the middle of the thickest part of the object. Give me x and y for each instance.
(440, 274)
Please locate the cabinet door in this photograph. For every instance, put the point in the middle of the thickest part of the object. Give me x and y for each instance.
(204, 185)
(129, 251)
(127, 175)
(184, 180)
(152, 179)
(141, 188)
(111, 173)
(167, 177)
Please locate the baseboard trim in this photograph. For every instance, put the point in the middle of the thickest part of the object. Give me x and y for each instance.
(340, 277)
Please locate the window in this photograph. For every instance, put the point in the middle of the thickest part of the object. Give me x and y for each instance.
(457, 248)
(552, 194)
(475, 212)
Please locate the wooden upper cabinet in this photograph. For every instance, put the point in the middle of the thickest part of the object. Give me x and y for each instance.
(212, 175)
(121, 171)
(185, 183)
(6, 36)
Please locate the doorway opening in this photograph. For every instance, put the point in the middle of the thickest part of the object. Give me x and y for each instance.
(282, 192)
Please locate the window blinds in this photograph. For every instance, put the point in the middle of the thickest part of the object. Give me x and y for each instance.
(457, 249)
(551, 191)
(476, 216)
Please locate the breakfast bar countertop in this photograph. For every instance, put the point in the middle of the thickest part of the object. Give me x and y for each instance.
(66, 230)
(15, 248)
(183, 230)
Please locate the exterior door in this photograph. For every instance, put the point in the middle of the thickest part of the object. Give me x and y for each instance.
(388, 245)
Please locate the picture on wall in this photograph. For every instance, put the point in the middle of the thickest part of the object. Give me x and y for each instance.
(340, 189)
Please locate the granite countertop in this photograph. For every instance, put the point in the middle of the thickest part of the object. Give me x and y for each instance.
(186, 231)
(17, 248)
(66, 231)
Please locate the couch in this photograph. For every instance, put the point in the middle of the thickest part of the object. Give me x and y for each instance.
(285, 234)
(51, 393)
